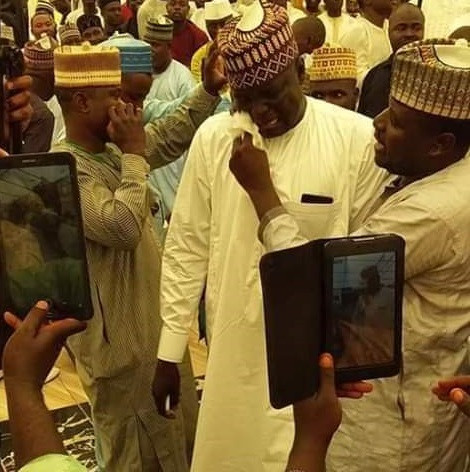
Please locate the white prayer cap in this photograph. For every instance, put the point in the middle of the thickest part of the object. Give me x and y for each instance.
(217, 10)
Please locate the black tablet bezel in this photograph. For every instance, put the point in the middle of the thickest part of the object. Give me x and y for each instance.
(355, 246)
(53, 159)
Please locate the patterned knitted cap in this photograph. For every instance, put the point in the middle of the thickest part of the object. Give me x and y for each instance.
(39, 55)
(88, 21)
(158, 29)
(87, 66)
(332, 63)
(136, 56)
(44, 6)
(259, 47)
(433, 76)
(69, 34)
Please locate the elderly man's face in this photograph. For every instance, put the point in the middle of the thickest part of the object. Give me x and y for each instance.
(275, 107)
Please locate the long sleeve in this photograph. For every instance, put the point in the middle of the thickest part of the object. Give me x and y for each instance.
(186, 255)
(411, 219)
(168, 138)
(116, 219)
(38, 135)
(370, 184)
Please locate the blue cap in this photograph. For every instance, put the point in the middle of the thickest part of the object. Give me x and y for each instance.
(136, 56)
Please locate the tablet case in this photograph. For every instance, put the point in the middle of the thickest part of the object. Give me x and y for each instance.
(292, 309)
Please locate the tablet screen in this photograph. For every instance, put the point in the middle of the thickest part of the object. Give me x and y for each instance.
(363, 309)
(42, 251)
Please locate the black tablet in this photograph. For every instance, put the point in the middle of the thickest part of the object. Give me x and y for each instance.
(342, 296)
(42, 248)
(362, 301)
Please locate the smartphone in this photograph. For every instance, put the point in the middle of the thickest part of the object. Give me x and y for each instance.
(42, 246)
(316, 199)
(341, 295)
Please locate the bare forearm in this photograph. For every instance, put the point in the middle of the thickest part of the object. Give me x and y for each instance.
(264, 200)
(307, 457)
(31, 424)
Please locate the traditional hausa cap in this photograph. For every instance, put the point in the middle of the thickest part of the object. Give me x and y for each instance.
(44, 6)
(87, 66)
(136, 56)
(39, 55)
(158, 29)
(69, 34)
(258, 47)
(332, 63)
(433, 76)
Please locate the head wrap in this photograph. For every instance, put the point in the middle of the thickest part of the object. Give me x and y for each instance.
(103, 3)
(69, 33)
(88, 21)
(433, 76)
(158, 29)
(136, 56)
(44, 6)
(259, 47)
(39, 55)
(216, 10)
(87, 66)
(332, 63)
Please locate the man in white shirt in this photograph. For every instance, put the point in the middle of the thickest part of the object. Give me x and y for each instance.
(425, 138)
(336, 21)
(171, 79)
(368, 35)
(332, 76)
(212, 236)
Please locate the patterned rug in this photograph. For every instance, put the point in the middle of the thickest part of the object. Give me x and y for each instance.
(76, 428)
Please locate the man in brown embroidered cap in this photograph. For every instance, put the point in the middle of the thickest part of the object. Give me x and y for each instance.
(424, 136)
(314, 148)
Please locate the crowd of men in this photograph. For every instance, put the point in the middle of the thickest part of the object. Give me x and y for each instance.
(196, 129)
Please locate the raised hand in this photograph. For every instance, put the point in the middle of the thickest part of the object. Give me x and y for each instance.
(32, 350)
(126, 128)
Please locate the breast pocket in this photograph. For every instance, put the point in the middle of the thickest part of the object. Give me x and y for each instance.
(316, 221)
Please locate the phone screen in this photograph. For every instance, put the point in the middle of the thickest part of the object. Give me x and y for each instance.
(363, 309)
(42, 250)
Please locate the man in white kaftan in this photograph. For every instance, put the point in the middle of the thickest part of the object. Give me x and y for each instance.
(327, 151)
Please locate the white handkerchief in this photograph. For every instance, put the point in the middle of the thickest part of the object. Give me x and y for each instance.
(241, 124)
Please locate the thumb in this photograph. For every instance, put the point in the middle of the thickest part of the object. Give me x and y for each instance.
(327, 375)
(36, 317)
(461, 399)
(62, 329)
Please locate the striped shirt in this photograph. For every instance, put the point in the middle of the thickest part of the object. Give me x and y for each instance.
(123, 250)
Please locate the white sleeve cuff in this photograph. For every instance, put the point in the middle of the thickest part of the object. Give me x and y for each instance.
(282, 232)
(172, 346)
